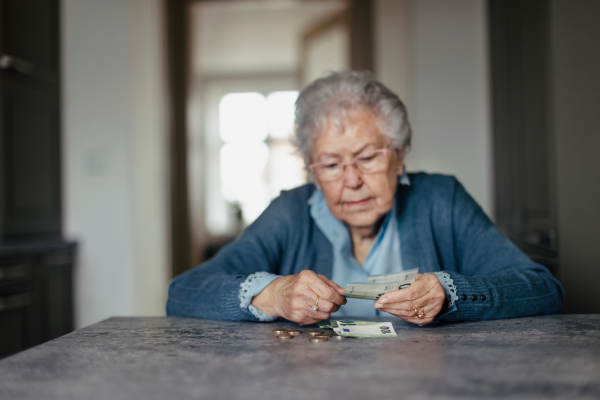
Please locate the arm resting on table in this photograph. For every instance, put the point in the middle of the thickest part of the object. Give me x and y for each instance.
(504, 281)
(218, 289)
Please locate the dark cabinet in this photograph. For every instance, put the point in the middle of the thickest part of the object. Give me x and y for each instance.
(29, 121)
(36, 266)
(36, 294)
(30, 32)
(18, 323)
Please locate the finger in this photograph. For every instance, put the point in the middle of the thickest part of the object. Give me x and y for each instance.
(315, 316)
(430, 308)
(308, 316)
(306, 300)
(407, 304)
(423, 285)
(331, 283)
(326, 292)
(327, 306)
(422, 316)
(414, 291)
(310, 321)
(430, 299)
(433, 300)
(410, 315)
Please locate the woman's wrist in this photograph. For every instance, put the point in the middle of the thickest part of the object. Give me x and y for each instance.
(266, 300)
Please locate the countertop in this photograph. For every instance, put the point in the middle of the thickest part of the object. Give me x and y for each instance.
(544, 357)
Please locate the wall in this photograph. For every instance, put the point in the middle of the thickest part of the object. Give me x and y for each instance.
(577, 122)
(433, 53)
(113, 161)
(392, 53)
(253, 36)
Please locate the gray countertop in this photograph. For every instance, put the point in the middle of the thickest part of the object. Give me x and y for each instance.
(180, 358)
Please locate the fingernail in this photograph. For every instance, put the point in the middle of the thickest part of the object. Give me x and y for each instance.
(378, 305)
(382, 301)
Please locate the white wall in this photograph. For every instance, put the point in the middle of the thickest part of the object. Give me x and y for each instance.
(253, 36)
(438, 63)
(392, 53)
(114, 155)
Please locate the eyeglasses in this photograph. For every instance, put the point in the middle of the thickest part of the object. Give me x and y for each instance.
(373, 162)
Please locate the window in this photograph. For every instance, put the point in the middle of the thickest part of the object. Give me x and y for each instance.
(256, 159)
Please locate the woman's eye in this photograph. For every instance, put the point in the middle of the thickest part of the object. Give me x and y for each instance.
(331, 166)
(367, 158)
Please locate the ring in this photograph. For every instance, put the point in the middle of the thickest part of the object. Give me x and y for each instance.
(420, 312)
(316, 306)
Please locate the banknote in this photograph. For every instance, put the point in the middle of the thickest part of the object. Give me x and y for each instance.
(402, 277)
(369, 290)
(333, 324)
(378, 330)
(350, 322)
(327, 324)
(377, 285)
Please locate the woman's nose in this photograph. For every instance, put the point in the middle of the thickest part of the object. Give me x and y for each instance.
(352, 177)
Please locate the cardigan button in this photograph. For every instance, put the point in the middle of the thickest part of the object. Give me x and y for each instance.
(474, 297)
(464, 297)
(482, 297)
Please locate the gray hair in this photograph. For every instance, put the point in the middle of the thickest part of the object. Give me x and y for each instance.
(334, 95)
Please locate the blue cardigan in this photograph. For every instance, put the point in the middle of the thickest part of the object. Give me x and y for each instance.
(441, 229)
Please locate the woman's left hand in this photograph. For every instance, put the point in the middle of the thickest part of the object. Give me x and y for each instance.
(425, 293)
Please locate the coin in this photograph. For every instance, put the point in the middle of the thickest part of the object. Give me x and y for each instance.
(294, 331)
(314, 333)
(285, 336)
(279, 331)
(319, 338)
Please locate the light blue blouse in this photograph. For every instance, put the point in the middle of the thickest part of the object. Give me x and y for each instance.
(384, 258)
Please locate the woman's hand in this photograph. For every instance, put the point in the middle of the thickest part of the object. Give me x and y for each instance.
(293, 296)
(425, 293)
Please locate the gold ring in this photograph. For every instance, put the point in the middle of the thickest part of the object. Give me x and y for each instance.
(316, 306)
(420, 313)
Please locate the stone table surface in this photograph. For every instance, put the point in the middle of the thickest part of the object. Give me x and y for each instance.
(184, 358)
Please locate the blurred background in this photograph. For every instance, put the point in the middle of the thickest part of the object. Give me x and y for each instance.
(137, 137)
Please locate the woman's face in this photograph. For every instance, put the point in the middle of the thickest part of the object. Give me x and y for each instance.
(357, 199)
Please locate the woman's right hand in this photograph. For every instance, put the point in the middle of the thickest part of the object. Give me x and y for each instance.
(293, 296)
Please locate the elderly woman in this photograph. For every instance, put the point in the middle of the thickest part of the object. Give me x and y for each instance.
(364, 216)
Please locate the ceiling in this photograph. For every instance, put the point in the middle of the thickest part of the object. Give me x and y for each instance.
(253, 36)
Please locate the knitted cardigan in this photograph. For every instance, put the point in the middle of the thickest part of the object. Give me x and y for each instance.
(441, 229)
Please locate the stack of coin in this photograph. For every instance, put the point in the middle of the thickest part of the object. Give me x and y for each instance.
(314, 333)
(279, 331)
(294, 331)
(319, 338)
(285, 336)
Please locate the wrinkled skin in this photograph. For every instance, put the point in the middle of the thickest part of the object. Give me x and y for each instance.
(293, 296)
(360, 201)
(426, 292)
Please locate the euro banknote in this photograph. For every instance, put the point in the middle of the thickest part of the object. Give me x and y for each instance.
(334, 324)
(402, 277)
(369, 290)
(377, 330)
(377, 285)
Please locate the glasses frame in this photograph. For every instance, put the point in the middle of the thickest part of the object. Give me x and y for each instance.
(344, 165)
